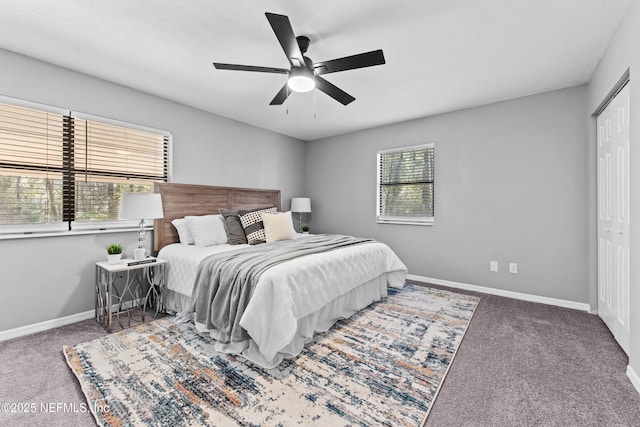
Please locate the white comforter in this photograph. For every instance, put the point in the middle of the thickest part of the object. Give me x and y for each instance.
(294, 289)
(184, 261)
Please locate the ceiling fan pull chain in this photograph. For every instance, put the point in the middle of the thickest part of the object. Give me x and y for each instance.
(314, 103)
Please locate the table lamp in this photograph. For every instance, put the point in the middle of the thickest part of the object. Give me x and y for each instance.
(140, 206)
(300, 205)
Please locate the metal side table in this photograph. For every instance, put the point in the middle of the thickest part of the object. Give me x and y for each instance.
(143, 288)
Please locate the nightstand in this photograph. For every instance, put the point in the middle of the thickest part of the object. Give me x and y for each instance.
(143, 288)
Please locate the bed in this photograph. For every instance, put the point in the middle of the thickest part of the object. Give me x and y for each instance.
(300, 290)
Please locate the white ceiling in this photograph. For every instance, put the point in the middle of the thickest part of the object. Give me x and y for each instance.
(440, 55)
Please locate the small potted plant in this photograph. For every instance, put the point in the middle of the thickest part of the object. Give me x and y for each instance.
(114, 253)
(305, 229)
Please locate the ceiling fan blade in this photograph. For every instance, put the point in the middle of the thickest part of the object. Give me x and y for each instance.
(368, 59)
(281, 96)
(237, 67)
(333, 91)
(282, 28)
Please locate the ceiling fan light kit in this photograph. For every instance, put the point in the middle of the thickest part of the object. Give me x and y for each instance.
(301, 79)
(304, 74)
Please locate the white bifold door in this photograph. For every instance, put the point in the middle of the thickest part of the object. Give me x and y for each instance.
(613, 216)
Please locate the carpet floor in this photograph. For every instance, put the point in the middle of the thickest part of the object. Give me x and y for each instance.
(520, 364)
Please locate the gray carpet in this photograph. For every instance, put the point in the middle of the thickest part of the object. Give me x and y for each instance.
(520, 364)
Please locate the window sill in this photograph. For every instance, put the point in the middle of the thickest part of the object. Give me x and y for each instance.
(40, 234)
(406, 222)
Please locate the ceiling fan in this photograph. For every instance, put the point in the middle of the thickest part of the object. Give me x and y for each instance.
(304, 74)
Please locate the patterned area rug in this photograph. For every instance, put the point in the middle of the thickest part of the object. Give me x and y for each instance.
(382, 366)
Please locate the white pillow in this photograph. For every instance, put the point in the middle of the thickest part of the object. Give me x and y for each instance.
(278, 226)
(183, 231)
(207, 230)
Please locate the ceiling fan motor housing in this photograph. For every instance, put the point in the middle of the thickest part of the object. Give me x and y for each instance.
(303, 43)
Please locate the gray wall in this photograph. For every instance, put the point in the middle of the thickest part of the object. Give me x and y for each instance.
(511, 186)
(623, 54)
(48, 278)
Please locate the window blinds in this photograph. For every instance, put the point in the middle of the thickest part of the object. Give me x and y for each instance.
(65, 170)
(31, 166)
(110, 160)
(406, 185)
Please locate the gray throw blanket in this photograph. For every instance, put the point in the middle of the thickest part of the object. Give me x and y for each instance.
(226, 281)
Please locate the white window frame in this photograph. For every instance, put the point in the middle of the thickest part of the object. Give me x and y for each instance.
(380, 219)
(122, 224)
(10, 231)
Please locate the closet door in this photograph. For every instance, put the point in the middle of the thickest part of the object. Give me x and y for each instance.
(613, 216)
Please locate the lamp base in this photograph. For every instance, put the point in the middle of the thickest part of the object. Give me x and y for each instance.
(141, 251)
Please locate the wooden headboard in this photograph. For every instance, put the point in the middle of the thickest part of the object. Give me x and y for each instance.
(179, 200)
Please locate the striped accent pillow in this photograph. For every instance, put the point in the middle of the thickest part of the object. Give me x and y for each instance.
(252, 224)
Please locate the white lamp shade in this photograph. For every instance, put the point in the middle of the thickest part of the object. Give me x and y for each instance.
(300, 204)
(141, 206)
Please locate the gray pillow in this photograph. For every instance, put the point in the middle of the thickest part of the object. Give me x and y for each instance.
(233, 226)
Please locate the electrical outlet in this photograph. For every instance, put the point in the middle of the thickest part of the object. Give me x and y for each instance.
(513, 268)
(493, 266)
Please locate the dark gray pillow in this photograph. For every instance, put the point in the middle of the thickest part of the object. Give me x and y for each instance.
(232, 224)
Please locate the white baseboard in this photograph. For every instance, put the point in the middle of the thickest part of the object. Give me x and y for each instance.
(61, 321)
(500, 292)
(46, 325)
(634, 377)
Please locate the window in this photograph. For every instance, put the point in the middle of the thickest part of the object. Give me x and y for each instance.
(61, 170)
(31, 166)
(405, 185)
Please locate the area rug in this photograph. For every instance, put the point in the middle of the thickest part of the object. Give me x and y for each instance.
(382, 366)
